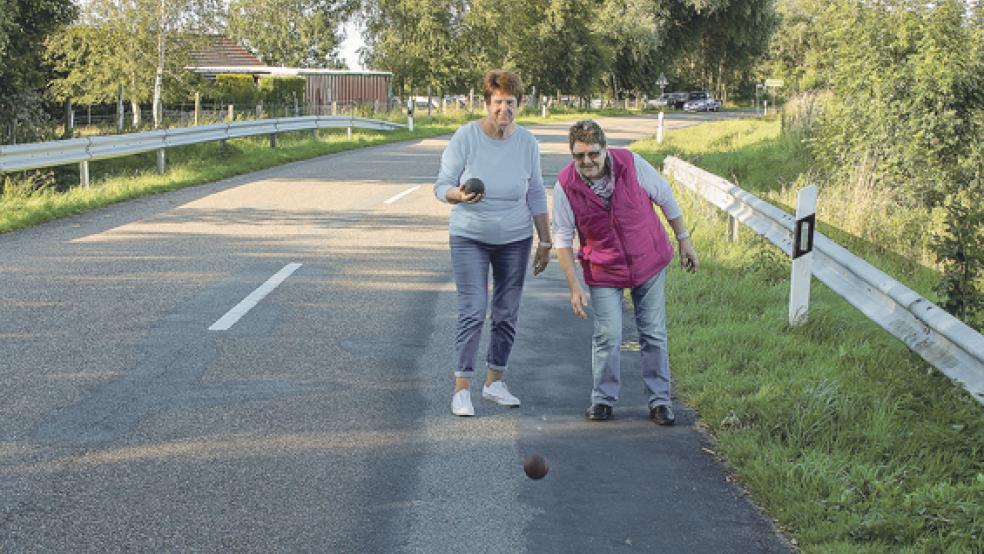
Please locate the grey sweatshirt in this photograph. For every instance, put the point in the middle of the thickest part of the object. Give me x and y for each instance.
(514, 190)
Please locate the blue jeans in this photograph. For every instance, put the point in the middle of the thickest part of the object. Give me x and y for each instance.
(650, 316)
(471, 260)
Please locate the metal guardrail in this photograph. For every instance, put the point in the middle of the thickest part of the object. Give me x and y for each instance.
(942, 340)
(47, 154)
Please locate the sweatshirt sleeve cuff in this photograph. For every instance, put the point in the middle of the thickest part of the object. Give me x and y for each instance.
(441, 191)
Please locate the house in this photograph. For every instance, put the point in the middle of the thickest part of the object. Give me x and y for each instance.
(323, 87)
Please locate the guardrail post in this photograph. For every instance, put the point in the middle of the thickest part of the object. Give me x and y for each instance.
(659, 129)
(160, 161)
(273, 140)
(232, 114)
(732, 228)
(799, 285)
(543, 107)
(84, 174)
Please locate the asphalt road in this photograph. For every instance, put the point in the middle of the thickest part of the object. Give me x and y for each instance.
(320, 421)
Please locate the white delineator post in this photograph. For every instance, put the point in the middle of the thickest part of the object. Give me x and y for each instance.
(410, 114)
(659, 129)
(802, 273)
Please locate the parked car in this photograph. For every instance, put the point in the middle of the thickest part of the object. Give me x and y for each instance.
(660, 102)
(701, 101)
(421, 102)
(677, 99)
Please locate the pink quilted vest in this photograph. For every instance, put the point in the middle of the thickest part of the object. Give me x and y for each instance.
(624, 245)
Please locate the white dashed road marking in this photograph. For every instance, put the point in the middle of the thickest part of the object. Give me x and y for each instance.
(239, 310)
(401, 195)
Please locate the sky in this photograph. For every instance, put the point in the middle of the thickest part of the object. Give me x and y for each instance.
(353, 40)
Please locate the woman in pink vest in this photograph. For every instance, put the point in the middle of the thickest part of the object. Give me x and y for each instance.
(607, 196)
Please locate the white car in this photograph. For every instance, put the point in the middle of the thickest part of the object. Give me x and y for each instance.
(701, 102)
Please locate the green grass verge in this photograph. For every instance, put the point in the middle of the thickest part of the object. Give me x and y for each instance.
(751, 154)
(851, 442)
(36, 197)
(24, 204)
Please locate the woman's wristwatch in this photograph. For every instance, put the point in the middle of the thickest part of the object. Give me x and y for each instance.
(545, 244)
(683, 235)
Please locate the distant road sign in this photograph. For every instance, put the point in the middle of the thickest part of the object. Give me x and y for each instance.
(777, 83)
(662, 82)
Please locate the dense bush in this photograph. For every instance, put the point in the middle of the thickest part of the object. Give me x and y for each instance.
(281, 91)
(906, 119)
(235, 88)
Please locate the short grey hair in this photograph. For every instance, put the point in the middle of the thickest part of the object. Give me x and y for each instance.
(587, 131)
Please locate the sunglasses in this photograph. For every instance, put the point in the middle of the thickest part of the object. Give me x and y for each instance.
(593, 155)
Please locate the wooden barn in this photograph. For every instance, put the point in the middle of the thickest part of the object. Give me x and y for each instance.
(324, 86)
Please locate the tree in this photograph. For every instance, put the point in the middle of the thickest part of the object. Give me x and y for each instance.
(418, 40)
(800, 49)
(554, 43)
(296, 33)
(24, 24)
(142, 44)
(907, 115)
(574, 45)
(637, 36)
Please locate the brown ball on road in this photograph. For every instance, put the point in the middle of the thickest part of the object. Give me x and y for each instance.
(535, 466)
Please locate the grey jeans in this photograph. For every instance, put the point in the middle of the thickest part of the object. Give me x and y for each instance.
(471, 260)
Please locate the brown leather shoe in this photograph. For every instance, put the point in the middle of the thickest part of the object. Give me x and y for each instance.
(598, 412)
(662, 415)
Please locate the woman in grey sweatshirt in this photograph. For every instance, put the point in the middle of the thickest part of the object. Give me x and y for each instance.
(493, 228)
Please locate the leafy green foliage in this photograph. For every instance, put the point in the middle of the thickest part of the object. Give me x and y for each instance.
(294, 33)
(235, 88)
(281, 91)
(907, 117)
(577, 46)
(421, 42)
(143, 45)
(24, 25)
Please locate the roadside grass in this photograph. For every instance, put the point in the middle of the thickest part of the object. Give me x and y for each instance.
(32, 200)
(850, 441)
(751, 154)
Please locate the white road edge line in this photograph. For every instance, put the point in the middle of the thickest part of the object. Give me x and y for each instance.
(401, 195)
(239, 310)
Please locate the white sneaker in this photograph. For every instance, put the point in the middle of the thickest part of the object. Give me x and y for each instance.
(498, 393)
(461, 404)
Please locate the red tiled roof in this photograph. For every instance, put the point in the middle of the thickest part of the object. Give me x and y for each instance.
(223, 52)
